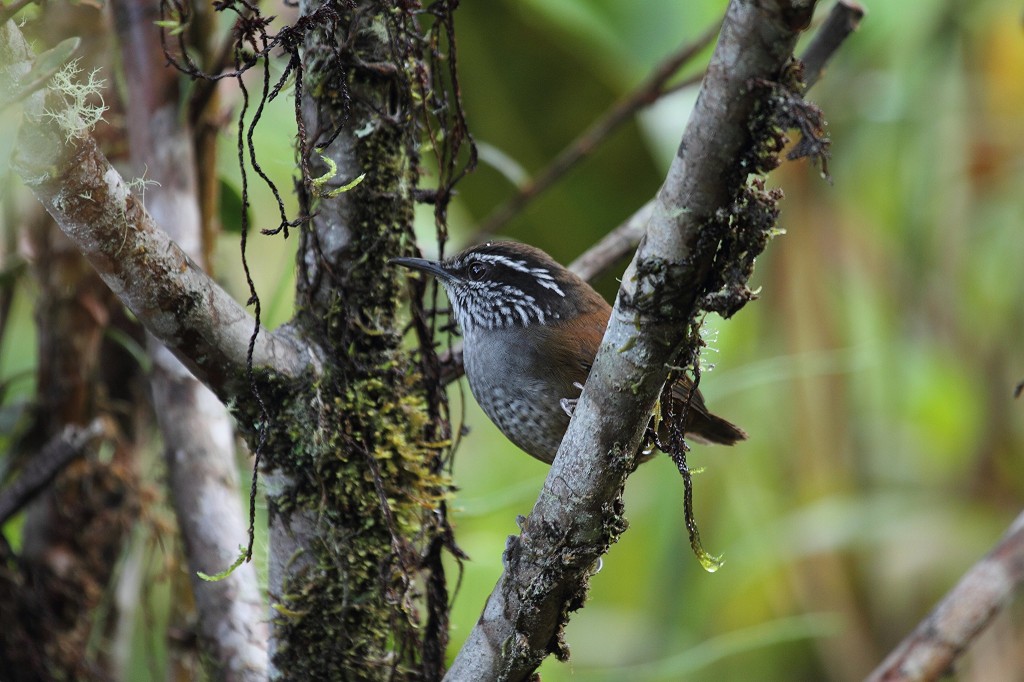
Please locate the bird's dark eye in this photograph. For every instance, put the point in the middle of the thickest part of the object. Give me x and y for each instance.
(477, 271)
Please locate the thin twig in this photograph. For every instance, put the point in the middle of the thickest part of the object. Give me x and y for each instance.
(44, 467)
(929, 651)
(9, 11)
(645, 94)
(838, 25)
(613, 246)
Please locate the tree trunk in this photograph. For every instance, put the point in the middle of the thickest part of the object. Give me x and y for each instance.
(351, 486)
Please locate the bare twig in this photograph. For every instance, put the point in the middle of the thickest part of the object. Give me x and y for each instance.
(838, 25)
(645, 94)
(578, 514)
(41, 469)
(612, 247)
(932, 648)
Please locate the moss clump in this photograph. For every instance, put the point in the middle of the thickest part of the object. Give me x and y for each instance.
(740, 232)
(369, 477)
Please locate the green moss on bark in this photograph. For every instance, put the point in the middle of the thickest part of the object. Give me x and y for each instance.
(354, 448)
(366, 472)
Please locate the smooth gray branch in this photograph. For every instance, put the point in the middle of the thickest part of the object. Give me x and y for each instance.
(198, 435)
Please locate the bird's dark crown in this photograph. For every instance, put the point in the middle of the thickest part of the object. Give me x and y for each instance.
(508, 284)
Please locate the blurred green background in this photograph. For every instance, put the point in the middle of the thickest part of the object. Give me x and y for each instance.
(875, 374)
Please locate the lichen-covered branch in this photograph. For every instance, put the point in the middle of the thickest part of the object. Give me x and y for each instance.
(932, 648)
(93, 205)
(578, 514)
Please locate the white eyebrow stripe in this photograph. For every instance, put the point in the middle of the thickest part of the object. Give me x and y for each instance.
(543, 275)
(508, 262)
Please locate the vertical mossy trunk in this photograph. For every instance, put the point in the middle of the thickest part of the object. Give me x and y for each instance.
(351, 489)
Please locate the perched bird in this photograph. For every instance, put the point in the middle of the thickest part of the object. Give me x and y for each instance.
(531, 329)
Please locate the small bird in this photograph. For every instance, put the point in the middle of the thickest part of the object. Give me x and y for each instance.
(531, 329)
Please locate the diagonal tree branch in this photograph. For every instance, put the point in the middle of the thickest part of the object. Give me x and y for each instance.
(928, 652)
(842, 20)
(171, 295)
(578, 514)
(41, 469)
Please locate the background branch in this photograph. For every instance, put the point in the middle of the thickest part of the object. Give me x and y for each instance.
(842, 20)
(645, 94)
(198, 437)
(931, 649)
(44, 467)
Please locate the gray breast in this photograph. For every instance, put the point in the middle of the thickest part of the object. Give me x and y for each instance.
(524, 408)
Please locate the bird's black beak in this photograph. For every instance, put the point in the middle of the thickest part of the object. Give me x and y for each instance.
(433, 267)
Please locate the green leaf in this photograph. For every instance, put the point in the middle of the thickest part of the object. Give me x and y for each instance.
(231, 208)
(226, 572)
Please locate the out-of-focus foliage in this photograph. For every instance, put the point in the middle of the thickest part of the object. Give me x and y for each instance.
(874, 375)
